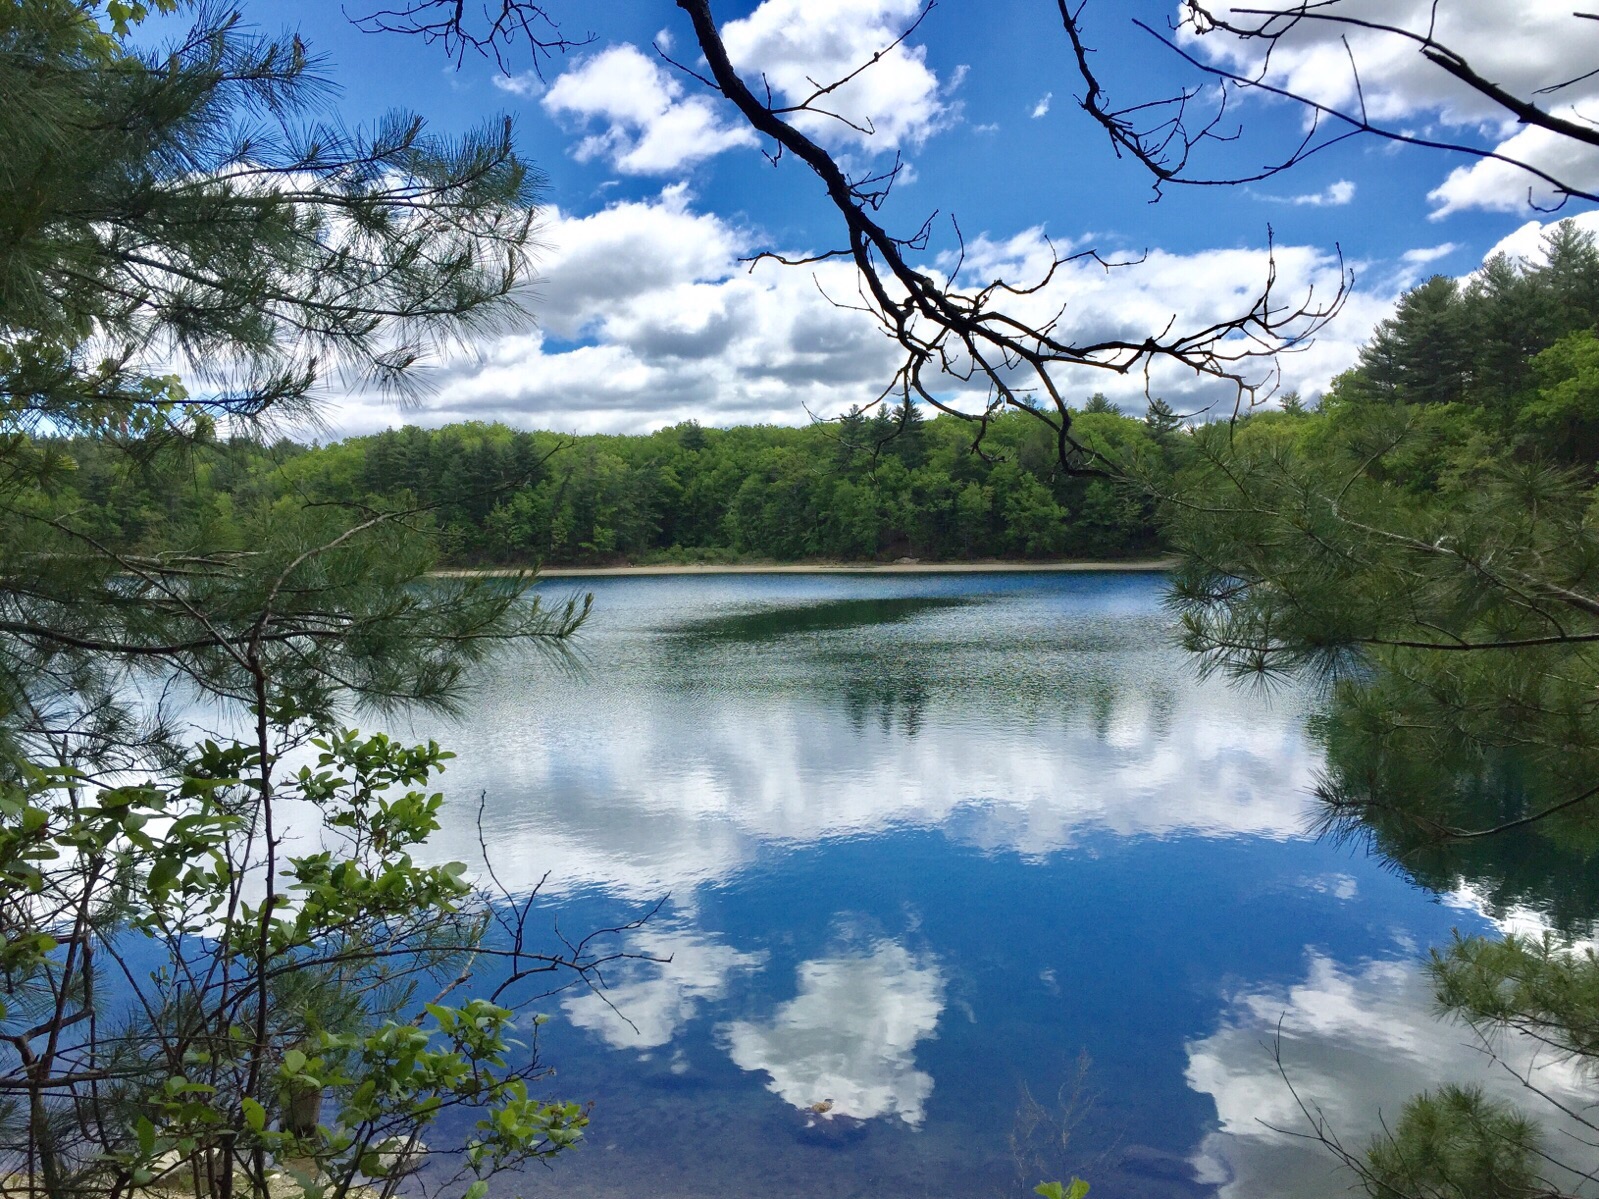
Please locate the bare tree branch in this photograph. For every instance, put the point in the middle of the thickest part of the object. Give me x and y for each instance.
(491, 28)
(1165, 134)
(961, 342)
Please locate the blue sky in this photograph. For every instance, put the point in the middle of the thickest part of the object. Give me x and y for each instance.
(645, 315)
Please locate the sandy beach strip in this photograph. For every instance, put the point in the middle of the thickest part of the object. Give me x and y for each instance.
(814, 568)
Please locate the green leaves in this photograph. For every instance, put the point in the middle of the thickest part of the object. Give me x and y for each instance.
(1054, 1190)
(1428, 543)
(193, 205)
(254, 1114)
(124, 14)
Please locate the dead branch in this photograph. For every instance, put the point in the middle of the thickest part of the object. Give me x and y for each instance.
(960, 343)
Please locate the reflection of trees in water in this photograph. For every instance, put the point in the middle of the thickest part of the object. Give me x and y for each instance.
(768, 623)
(887, 701)
(899, 695)
(1410, 785)
(859, 655)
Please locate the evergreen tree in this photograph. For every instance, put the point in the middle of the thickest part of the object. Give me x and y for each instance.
(1162, 421)
(909, 423)
(853, 436)
(189, 206)
(1425, 542)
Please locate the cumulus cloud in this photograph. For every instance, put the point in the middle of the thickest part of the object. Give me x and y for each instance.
(849, 1035)
(1522, 47)
(1496, 186)
(646, 122)
(650, 126)
(799, 45)
(648, 316)
(1042, 107)
(1090, 304)
(1526, 242)
(1335, 195)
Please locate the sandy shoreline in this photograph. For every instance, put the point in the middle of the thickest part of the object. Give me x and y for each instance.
(818, 568)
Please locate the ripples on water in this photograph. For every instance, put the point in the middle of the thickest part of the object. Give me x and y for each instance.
(972, 861)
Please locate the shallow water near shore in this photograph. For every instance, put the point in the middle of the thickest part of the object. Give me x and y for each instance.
(964, 881)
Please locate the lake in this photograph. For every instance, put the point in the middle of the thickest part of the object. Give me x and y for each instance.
(975, 863)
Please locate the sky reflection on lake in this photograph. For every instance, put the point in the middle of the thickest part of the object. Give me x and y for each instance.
(926, 843)
(1022, 718)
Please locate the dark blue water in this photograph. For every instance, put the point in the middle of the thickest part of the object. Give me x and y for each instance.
(973, 862)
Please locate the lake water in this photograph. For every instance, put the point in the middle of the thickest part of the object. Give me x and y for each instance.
(975, 859)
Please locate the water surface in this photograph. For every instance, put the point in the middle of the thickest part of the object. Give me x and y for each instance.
(973, 861)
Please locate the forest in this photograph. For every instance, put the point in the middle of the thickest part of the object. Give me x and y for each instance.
(867, 488)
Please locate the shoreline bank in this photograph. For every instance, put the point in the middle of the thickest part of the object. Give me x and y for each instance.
(813, 568)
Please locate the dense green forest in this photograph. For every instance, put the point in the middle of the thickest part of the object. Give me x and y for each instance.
(1424, 540)
(869, 487)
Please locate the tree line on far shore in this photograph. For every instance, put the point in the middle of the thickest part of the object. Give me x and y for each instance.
(871, 487)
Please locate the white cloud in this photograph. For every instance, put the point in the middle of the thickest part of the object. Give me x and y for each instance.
(800, 45)
(1335, 195)
(1522, 47)
(670, 324)
(1179, 291)
(1416, 265)
(526, 85)
(849, 1035)
(650, 125)
(1042, 107)
(1422, 255)
(675, 326)
(1496, 186)
(644, 1004)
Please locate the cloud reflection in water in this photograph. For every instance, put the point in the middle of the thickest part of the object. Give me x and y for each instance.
(849, 1036)
(645, 1003)
(1356, 1042)
(676, 755)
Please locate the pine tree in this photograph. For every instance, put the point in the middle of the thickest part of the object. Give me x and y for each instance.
(190, 207)
(853, 438)
(1425, 544)
(909, 443)
(1162, 421)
